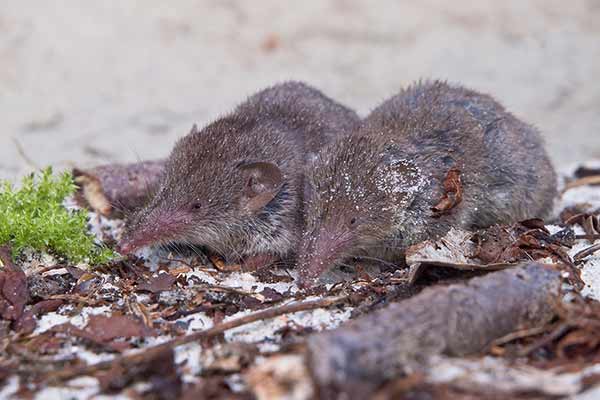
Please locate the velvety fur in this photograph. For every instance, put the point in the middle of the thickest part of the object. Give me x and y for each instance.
(372, 194)
(201, 197)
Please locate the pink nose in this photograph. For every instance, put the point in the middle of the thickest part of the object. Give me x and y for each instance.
(125, 247)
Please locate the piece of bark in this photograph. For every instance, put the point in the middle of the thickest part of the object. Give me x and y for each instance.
(454, 320)
(113, 188)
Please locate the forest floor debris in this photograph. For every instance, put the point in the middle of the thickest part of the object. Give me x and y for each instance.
(66, 329)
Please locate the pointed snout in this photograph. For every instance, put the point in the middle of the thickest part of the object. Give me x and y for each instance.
(140, 237)
(134, 240)
(318, 255)
(309, 272)
(126, 246)
(159, 225)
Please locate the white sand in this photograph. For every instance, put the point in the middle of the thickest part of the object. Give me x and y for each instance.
(89, 82)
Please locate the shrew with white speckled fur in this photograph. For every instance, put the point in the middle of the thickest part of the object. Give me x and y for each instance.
(372, 194)
(234, 187)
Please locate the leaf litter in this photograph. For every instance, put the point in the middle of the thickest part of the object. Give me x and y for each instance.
(64, 317)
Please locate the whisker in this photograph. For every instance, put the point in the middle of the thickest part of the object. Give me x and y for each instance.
(390, 264)
(344, 265)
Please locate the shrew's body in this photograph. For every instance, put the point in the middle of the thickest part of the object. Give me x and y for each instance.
(235, 187)
(372, 194)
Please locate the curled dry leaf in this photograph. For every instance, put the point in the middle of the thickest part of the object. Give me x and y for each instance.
(222, 267)
(13, 288)
(522, 241)
(535, 223)
(105, 328)
(13, 294)
(75, 272)
(271, 295)
(497, 244)
(157, 283)
(452, 193)
(46, 306)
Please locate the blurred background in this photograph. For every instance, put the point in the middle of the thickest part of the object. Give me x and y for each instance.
(83, 83)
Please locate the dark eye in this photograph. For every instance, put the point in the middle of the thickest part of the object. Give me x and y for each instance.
(196, 206)
(352, 221)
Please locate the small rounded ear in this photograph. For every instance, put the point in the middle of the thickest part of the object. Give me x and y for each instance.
(262, 182)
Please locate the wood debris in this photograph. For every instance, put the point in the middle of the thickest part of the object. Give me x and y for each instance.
(156, 326)
(455, 320)
(114, 188)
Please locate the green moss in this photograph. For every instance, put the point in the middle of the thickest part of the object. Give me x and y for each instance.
(33, 216)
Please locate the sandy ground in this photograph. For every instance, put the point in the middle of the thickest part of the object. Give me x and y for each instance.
(89, 82)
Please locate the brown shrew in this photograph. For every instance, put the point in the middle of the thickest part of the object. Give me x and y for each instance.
(235, 186)
(432, 157)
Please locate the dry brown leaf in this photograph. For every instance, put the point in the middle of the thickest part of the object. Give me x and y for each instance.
(158, 283)
(221, 266)
(452, 193)
(13, 288)
(105, 328)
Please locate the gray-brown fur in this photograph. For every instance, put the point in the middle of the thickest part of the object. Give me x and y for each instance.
(372, 194)
(235, 186)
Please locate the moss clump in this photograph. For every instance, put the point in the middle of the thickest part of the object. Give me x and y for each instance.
(33, 216)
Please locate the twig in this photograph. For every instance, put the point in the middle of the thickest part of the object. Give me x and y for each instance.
(150, 353)
(594, 236)
(520, 334)
(24, 155)
(77, 299)
(586, 252)
(558, 332)
(227, 289)
(588, 180)
(210, 271)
